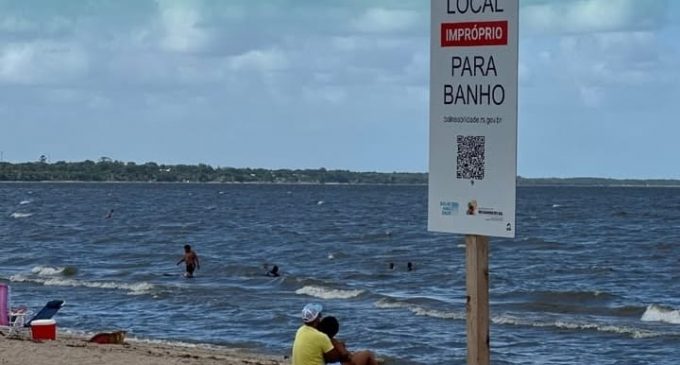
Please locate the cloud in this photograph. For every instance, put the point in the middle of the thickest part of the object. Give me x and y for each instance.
(180, 23)
(600, 68)
(42, 62)
(325, 94)
(379, 20)
(592, 96)
(585, 16)
(598, 53)
(259, 60)
(614, 59)
(15, 24)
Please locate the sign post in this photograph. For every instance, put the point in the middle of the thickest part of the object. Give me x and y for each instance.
(477, 300)
(473, 139)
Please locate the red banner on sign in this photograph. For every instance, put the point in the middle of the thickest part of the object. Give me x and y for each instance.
(470, 34)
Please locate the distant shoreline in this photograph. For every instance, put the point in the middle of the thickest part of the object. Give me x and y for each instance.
(107, 171)
(519, 185)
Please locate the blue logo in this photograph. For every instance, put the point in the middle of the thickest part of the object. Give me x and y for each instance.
(449, 208)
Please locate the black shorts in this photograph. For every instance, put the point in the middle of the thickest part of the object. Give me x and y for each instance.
(191, 268)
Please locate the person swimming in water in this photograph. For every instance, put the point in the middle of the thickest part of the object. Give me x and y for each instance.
(273, 272)
(191, 260)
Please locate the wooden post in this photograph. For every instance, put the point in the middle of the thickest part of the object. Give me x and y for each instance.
(477, 307)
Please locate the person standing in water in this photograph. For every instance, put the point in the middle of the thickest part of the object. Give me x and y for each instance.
(191, 260)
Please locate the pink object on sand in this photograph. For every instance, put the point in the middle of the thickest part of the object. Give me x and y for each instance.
(4, 304)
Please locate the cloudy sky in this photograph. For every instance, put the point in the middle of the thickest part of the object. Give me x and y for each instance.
(341, 84)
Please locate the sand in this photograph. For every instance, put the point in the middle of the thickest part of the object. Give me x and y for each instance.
(77, 351)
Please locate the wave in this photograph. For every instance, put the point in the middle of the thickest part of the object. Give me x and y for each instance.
(377, 236)
(133, 289)
(327, 293)
(549, 296)
(567, 302)
(657, 313)
(600, 327)
(47, 270)
(506, 319)
(420, 310)
(18, 215)
(541, 243)
(24, 202)
(54, 271)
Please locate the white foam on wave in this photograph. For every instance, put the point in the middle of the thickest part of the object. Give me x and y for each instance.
(133, 289)
(326, 293)
(556, 205)
(389, 305)
(18, 215)
(24, 202)
(657, 313)
(516, 321)
(47, 270)
(437, 314)
(600, 327)
(420, 311)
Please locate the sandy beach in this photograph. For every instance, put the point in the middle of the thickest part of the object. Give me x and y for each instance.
(75, 350)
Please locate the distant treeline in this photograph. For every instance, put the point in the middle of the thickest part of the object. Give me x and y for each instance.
(118, 171)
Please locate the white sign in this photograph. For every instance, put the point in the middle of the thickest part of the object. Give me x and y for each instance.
(473, 117)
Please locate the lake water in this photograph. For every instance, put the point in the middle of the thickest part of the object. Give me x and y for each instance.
(593, 276)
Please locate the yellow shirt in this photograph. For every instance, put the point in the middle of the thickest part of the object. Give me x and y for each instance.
(309, 346)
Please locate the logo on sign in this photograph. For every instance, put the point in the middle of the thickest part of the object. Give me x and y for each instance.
(449, 208)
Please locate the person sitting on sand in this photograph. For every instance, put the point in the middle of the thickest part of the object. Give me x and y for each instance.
(191, 260)
(312, 347)
(330, 326)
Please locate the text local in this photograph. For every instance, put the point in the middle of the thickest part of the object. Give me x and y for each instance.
(474, 6)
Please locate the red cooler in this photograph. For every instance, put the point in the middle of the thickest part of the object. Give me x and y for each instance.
(44, 329)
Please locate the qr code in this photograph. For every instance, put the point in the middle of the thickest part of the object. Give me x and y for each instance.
(470, 162)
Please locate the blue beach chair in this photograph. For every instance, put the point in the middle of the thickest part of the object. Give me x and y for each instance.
(48, 311)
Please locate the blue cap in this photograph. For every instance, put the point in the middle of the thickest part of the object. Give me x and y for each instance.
(311, 311)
